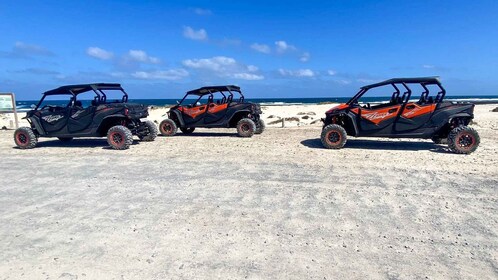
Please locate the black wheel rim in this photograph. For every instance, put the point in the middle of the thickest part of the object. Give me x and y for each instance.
(22, 138)
(245, 127)
(466, 141)
(117, 138)
(167, 128)
(334, 137)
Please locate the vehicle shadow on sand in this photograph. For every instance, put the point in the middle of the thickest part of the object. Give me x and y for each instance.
(77, 143)
(381, 145)
(203, 134)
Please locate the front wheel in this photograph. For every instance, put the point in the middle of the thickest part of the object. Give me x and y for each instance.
(260, 127)
(333, 136)
(463, 140)
(25, 138)
(119, 137)
(246, 127)
(168, 127)
(152, 131)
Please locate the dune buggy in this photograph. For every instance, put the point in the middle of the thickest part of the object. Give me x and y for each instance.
(405, 115)
(211, 107)
(65, 113)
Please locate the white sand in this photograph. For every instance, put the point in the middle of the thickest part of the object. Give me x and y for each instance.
(274, 206)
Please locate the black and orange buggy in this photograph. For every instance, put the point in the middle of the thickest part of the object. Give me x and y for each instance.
(422, 114)
(214, 107)
(86, 110)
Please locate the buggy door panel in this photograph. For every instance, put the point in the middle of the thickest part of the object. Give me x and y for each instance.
(376, 120)
(193, 115)
(414, 116)
(215, 113)
(80, 119)
(54, 120)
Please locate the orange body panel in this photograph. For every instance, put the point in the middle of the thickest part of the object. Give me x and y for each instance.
(195, 111)
(338, 107)
(214, 108)
(378, 115)
(417, 110)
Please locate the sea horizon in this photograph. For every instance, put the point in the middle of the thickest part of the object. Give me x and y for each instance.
(481, 99)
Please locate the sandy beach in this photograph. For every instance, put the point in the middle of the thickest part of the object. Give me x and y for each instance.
(275, 206)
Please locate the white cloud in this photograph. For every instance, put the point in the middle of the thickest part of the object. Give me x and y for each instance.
(189, 32)
(99, 53)
(297, 73)
(172, 74)
(223, 66)
(332, 72)
(141, 56)
(248, 76)
(343, 82)
(367, 81)
(217, 63)
(262, 48)
(305, 57)
(426, 66)
(282, 47)
(252, 68)
(202, 12)
(21, 49)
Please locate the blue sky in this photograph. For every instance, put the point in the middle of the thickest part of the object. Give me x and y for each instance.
(160, 49)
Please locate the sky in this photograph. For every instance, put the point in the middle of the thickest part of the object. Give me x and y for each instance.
(272, 49)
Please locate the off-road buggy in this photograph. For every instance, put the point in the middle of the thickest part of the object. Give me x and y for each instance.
(99, 117)
(214, 106)
(406, 115)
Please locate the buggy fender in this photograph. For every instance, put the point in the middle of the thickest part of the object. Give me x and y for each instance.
(178, 117)
(115, 116)
(444, 127)
(352, 118)
(232, 122)
(238, 113)
(344, 119)
(460, 115)
(37, 125)
(111, 118)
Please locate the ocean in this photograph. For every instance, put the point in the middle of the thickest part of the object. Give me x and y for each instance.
(24, 105)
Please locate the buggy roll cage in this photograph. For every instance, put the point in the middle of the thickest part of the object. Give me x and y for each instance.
(424, 81)
(203, 91)
(75, 90)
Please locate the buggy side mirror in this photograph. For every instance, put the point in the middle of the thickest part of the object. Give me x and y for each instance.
(33, 106)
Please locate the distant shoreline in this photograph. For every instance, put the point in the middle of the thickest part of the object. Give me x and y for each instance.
(484, 99)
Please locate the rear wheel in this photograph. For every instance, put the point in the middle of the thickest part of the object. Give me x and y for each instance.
(246, 127)
(168, 127)
(152, 131)
(333, 136)
(65, 139)
(260, 126)
(463, 140)
(187, 130)
(119, 137)
(25, 138)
